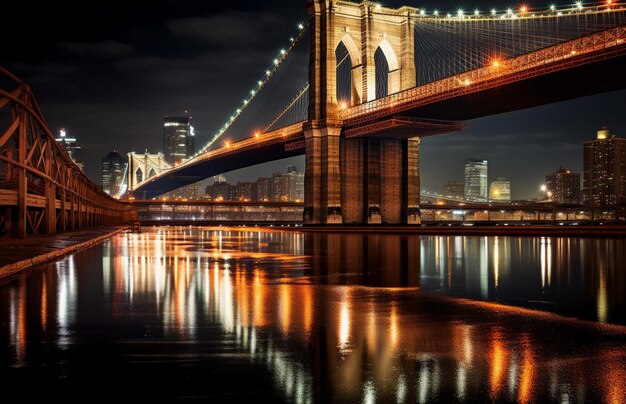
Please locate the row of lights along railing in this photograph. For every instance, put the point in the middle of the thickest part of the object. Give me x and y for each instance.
(523, 11)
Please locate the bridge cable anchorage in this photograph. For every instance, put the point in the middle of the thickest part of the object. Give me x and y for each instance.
(269, 73)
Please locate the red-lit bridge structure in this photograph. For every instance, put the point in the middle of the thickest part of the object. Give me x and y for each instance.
(380, 79)
(41, 189)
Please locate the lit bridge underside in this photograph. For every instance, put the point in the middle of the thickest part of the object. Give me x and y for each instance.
(576, 68)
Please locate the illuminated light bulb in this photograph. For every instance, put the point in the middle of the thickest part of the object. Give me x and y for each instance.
(422, 12)
(523, 9)
(476, 12)
(267, 72)
(459, 13)
(291, 39)
(377, 7)
(275, 61)
(493, 11)
(559, 13)
(436, 12)
(252, 92)
(238, 110)
(300, 26)
(579, 5)
(509, 11)
(343, 105)
(552, 7)
(495, 63)
(260, 83)
(282, 51)
(449, 15)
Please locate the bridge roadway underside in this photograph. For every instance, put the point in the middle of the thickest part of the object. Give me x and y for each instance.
(594, 78)
(211, 167)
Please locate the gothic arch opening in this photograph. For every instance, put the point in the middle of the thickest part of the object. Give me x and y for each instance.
(152, 173)
(344, 73)
(138, 176)
(348, 72)
(382, 74)
(387, 70)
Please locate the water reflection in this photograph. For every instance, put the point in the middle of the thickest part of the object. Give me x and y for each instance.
(304, 309)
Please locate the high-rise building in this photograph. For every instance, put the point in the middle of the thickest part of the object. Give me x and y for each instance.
(72, 148)
(264, 189)
(114, 174)
(178, 139)
(500, 190)
(280, 187)
(453, 188)
(604, 175)
(476, 180)
(296, 184)
(563, 186)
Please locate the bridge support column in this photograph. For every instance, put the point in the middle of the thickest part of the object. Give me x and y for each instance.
(22, 181)
(411, 181)
(322, 203)
(380, 181)
(51, 209)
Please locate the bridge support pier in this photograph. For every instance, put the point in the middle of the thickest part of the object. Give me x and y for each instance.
(360, 181)
(322, 202)
(380, 181)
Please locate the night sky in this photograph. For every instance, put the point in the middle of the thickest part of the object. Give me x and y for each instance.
(110, 75)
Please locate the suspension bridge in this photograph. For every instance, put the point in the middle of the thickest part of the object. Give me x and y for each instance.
(368, 82)
(359, 85)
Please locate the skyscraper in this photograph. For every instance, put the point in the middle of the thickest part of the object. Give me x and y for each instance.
(500, 190)
(604, 175)
(296, 184)
(114, 174)
(563, 186)
(476, 180)
(72, 148)
(178, 139)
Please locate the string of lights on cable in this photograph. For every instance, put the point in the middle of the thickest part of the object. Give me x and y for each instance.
(269, 72)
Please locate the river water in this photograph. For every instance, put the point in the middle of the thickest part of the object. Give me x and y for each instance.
(230, 315)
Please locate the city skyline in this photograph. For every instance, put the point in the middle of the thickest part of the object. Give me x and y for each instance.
(109, 86)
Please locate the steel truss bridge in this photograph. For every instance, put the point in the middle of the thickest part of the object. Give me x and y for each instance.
(41, 189)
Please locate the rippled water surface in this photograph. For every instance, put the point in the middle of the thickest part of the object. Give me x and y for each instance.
(232, 315)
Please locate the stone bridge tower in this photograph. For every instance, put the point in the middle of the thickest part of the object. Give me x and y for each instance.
(360, 180)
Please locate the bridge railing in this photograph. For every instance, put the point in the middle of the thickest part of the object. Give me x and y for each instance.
(552, 58)
(41, 188)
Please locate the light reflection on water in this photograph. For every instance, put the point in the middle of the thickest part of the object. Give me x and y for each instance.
(332, 317)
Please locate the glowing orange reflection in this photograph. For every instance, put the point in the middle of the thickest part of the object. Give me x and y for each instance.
(498, 362)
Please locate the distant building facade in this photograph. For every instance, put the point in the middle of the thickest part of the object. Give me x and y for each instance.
(604, 172)
(454, 189)
(281, 187)
(73, 149)
(476, 175)
(500, 190)
(563, 186)
(178, 139)
(114, 174)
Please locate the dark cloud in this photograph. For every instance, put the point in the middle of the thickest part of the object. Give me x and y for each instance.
(229, 28)
(103, 49)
